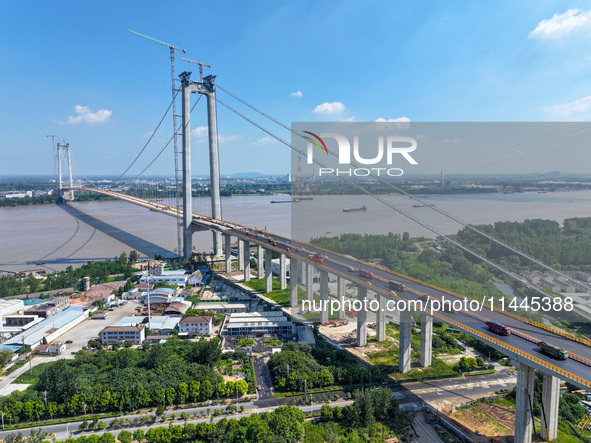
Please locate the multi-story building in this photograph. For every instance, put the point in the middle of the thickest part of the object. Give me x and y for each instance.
(196, 325)
(120, 334)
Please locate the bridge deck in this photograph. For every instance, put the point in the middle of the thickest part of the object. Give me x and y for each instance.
(522, 345)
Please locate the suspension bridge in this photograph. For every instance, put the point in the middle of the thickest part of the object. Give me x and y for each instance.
(522, 345)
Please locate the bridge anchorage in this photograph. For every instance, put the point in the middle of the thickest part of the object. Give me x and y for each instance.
(205, 87)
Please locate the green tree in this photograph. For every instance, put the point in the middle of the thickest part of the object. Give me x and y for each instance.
(124, 437)
(134, 256)
(326, 413)
(139, 435)
(107, 437)
(288, 423)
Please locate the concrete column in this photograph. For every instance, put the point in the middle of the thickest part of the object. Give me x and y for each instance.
(240, 255)
(294, 271)
(268, 272)
(228, 252)
(523, 402)
(426, 339)
(323, 295)
(260, 262)
(404, 343)
(361, 318)
(309, 282)
(282, 272)
(381, 318)
(214, 163)
(550, 401)
(187, 88)
(246, 258)
(341, 297)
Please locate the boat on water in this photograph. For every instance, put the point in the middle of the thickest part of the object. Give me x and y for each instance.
(421, 206)
(284, 201)
(363, 208)
(305, 198)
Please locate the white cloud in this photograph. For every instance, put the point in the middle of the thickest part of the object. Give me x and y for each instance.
(202, 132)
(227, 138)
(85, 115)
(580, 105)
(329, 108)
(296, 94)
(561, 24)
(265, 141)
(393, 120)
(199, 131)
(348, 119)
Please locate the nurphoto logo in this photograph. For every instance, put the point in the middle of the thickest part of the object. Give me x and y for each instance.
(395, 145)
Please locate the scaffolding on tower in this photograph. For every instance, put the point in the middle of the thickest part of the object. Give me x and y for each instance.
(177, 153)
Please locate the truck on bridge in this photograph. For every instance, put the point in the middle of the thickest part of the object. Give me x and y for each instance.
(396, 285)
(366, 274)
(498, 328)
(318, 257)
(554, 351)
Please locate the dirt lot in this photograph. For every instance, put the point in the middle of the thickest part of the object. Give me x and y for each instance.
(490, 419)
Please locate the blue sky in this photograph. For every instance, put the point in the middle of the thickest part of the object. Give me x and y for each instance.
(71, 68)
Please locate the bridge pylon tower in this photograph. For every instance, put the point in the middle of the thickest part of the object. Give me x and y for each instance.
(66, 195)
(205, 86)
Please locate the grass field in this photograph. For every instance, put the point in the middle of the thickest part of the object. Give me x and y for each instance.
(29, 377)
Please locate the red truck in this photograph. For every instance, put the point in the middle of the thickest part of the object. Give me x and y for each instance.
(498, 328)
(318, 257)
(366, 274)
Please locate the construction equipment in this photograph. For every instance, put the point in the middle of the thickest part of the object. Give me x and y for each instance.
(177, 186)
(201, 65)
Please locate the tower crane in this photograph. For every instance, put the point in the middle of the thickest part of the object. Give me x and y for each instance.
(201, 65)
(174, 127)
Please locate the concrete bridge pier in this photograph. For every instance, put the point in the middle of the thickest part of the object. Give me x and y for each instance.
(341, 297)
(523, 404)
(381, 318)
(426, 339)
(268, 272)
(294, 271)
(240, 254)
(324, 296)
(404, 342)
(228, 252)
(361, 317)
(260, 262)
(282, 272)
(309, 282)
(246, 259)
(550, 402)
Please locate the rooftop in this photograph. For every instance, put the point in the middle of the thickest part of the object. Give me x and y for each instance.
(196, 319)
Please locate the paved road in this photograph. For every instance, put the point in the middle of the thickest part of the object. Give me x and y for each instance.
(6, 384)
(426, 432)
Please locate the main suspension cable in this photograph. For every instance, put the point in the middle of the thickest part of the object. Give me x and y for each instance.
(401, 191)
